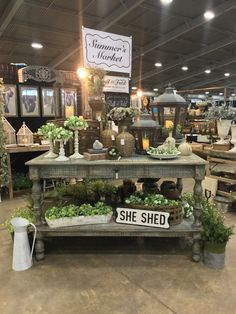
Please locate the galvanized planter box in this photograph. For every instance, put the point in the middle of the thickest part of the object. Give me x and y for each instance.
(79, 220)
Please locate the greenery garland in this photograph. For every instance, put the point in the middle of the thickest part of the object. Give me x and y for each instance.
(4, 175)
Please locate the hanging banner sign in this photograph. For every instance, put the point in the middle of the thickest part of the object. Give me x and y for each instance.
(140, 217)
(107, 51)
(116, 84)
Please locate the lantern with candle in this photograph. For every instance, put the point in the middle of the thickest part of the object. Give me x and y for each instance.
(25, 136)
(146, 132)
(170, 111)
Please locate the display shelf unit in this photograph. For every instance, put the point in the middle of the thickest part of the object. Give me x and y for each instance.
(216, 157)
(125, 168)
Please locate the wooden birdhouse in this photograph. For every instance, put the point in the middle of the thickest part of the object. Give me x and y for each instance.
(24, 136)
(9, 132)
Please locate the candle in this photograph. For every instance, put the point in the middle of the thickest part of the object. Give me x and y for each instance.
(69, 111)
(169, 124)
(146, 144)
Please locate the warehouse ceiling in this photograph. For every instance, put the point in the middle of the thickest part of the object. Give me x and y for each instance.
(174, 35)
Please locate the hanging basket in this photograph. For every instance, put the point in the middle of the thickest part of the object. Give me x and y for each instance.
(96, 104)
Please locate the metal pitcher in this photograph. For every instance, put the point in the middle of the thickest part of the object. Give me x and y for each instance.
(22, 256)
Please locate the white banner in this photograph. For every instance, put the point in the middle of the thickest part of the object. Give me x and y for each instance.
(148, 218)
(107, 51)
(116, 84)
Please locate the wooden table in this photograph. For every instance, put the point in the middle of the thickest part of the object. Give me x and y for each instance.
(215, 157)
(20, 149)
(125, 168)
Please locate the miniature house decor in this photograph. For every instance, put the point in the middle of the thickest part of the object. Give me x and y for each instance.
(170, 110)
(146, 132)
(10, 132)
(24, 136)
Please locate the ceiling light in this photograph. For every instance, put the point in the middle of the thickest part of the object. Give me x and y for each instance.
(184, 68)
(155, 89)
(36, 45)
(209, 15)
(139, 93)
(227, 74)
(158, 64)
(166, 2)
(233, 94)
(221, 94)
(207, 71)
(133, 87)
(82, 73)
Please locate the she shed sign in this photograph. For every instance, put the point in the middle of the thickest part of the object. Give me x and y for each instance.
(107, 51)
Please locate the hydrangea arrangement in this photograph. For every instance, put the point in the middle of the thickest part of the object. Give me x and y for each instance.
(222, 112)
(120, 113)
(75, 122)
(47, 131)
(62, 134)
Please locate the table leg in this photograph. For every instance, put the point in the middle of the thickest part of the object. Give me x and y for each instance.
(179, 185)
(10, 185)
(197, 211)
(36, 193)
(39, 247)
(196, 248)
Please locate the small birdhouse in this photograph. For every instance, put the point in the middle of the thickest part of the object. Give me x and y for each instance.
(9, 132)
(24, 135)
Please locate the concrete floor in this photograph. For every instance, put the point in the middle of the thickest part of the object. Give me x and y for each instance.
(115, 276)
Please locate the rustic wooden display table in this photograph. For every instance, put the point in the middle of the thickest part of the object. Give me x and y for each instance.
(125, 168)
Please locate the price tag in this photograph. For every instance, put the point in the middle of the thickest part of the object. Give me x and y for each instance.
(122, 141)
(113, 137)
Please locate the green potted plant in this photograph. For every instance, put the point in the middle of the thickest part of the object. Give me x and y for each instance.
(47, 131)
(215, 236)
(72, 215)
(62, 135)
(123, 116)
(75, 124)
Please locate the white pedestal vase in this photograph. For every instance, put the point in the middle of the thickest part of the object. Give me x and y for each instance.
(233, 138)
(50, 153)
(223, 127)
(61, 156)
(76, 154)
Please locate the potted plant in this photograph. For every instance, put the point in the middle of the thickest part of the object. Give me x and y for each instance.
(72, 215)
(47, 131)
(4, 175)
(75, 124)
(62, 136)
(123, 117)
(215, 235)
(223, 115)
(95, 83)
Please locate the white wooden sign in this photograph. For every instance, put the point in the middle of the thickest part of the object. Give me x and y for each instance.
(140, 217)
(116, 84)
(107, 51)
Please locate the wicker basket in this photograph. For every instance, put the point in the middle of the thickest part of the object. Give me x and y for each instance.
(125, 144)
(175, 212)
(108, 138)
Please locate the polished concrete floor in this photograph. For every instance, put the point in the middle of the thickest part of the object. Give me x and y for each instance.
(115, 276)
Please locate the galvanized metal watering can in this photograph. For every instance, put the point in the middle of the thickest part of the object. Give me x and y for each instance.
(22, 256)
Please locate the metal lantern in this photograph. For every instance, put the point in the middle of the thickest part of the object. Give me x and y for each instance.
(9, 132)
(146, 132)
(170, 110)
(25, 136)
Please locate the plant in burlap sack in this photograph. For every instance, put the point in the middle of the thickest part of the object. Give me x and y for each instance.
(3, 154)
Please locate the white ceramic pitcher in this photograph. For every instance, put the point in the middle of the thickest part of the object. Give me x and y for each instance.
(22, 257)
